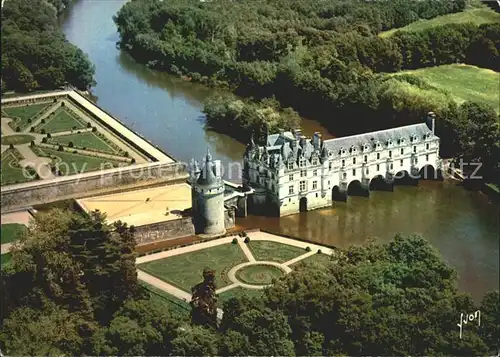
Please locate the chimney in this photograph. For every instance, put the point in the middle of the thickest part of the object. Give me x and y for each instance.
(317, 140)
(303, 141)
(431, 121)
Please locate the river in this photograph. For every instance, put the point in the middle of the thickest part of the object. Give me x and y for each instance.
(461, 224)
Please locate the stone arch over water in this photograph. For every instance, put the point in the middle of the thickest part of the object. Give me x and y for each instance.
(378, 182)
(429, 172)
(403, 177)
(355, 188)
(338, 195)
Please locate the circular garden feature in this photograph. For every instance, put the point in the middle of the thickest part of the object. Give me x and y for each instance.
(17, 139)
(259, 274)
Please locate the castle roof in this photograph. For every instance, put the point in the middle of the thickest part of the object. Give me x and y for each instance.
(381, 136)
(291, 146)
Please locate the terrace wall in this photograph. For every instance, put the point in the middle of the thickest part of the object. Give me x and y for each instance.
(25, 195)
(164, 230)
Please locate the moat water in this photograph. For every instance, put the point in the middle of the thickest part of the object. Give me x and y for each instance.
(461, 224)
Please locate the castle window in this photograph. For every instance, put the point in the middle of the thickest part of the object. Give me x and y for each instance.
(303, 173)
(378, 167)
(315, 185)
(401, 163)
(414, 149)
(329, 166)
(315, 161)
(290, 190)
(366, 158)
(367, 171)
(290, 177)
(392, 166)
(343, 163)
(427, 146)
(378, 156)
(402, 151)
(354, 172)
(390, 153)
(315, 173)
(367, 147)
(302, 186)
(316, 195)
(378, 145)
(426, 157)
(290, 166)
(302, 162)
(344, 175)
(354, 161)
(402, 140)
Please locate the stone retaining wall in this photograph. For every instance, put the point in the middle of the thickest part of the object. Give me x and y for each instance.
(20, 196)
(155, 232)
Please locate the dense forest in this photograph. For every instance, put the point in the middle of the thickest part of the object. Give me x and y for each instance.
(71, 288)
(35, 52)
(321, 58)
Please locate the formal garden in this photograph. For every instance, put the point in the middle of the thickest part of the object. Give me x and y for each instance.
(244, 266)
(59, 136)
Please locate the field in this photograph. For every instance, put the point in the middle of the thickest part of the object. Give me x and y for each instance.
(22, 114)
(174, 304)
(319, 259)
(87, 140)
(476, 16)
(5, 258)
(274, 251)
(11, 172)
(11, 232)
(61, 120)
(238, 292)
(185, 270)
(463, 82)
(70, 163)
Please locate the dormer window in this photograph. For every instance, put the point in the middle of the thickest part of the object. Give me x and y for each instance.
(290, 166)
(302, 162)
(413, 138)
(389, 143)
(378, 145)
(314, 161)
(366, 147)
(342, 151)
(352, 150)
(402, 141)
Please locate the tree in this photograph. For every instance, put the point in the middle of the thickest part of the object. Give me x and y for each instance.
(204, 300)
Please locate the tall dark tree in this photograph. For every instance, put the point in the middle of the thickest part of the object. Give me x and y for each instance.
(204, 300)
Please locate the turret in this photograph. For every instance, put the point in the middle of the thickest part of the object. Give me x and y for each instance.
(431, 121)
(208, 196)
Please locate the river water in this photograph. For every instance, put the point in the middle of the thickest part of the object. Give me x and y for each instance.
(461, 224)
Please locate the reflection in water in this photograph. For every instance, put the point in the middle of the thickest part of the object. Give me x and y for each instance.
(462, 225)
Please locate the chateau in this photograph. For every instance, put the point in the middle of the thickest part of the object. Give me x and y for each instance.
(291, 173)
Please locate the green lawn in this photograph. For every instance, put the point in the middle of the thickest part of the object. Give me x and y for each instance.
(87, 140)
(476, 16)
(185, 270)
(21, 114)
(11, 232)
(319, 259)
(5, 258)
(17, 139)
(274, 251)
(238, 292)
(70, 163)
(463, 82)
(10, 174)
(260, 274)
(174, 304)
(61, 120)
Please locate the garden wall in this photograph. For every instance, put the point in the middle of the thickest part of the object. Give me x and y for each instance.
(25, 195)
(164, 230)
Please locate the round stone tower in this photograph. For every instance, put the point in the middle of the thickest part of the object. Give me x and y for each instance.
(208, 197)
